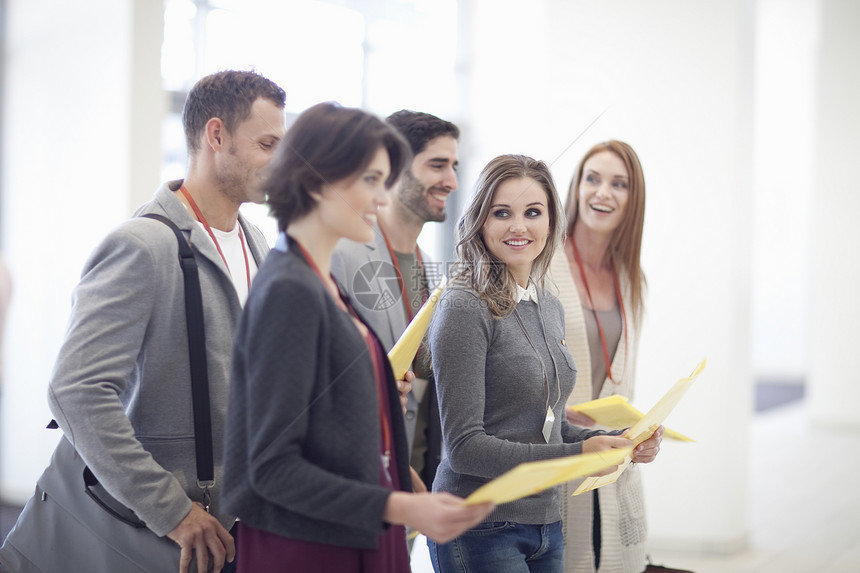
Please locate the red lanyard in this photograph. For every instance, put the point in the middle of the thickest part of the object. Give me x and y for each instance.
(377, 368)
(331, 289)
(202, 219)
(406, 302)
(381, 398)
(597, 318)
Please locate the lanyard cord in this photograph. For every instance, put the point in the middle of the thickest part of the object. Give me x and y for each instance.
(383, 419)
(329, 287)
(551, 357)
(377, 367)
(424, 294)
(597, 318)
(202, 219)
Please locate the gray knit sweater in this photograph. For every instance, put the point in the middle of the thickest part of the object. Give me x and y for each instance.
(493, 398)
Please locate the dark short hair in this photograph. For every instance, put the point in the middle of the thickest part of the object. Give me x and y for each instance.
(227, 95)
(420, 128)
(327, 143)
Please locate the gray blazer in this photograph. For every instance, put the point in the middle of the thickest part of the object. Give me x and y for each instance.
(120, 389)
(350, 262)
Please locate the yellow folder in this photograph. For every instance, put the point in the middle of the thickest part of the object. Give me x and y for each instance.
(645, 427)
(532, 477)
(616, 412)
(404, 350)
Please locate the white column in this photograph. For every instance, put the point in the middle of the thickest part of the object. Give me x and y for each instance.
(148, 101)
(73, 106)
(834, 382)
(675, 81)
(786, 63)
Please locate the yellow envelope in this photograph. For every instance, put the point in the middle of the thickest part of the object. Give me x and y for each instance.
(404, 350)
(645, 427)
(532, 477)
(616, 412)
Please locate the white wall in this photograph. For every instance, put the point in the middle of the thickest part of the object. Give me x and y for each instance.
(835, 391)
(67, 164)
(675, 81)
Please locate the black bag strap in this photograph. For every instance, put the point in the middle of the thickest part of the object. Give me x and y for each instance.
(197, 357)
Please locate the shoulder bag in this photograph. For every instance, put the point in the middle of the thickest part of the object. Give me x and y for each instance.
(71, 524)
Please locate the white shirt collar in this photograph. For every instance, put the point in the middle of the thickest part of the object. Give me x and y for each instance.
(529, 293)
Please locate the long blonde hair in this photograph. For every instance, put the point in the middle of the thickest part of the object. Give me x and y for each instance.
(625, 246)
(477, 266)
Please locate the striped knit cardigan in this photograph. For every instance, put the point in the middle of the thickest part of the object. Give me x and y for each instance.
(622, 509)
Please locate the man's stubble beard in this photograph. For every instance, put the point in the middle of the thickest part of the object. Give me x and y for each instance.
(234, 179)
(413, 194)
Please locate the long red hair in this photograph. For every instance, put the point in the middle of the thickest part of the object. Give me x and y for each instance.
(626, 244)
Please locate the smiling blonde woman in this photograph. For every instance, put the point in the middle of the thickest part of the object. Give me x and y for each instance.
(504, 373)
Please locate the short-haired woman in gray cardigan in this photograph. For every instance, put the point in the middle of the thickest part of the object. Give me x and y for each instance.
(504, 373)
(316, 457)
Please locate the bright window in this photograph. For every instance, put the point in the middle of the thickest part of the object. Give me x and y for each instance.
(378, 55)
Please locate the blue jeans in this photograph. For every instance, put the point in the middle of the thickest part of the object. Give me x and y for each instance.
(502, 547)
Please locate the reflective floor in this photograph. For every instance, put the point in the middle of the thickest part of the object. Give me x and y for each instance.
(805, 502)
(8, 515)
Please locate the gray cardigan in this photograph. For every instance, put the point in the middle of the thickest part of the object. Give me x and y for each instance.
(303, 438)
(493, 398)
(121, 387)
